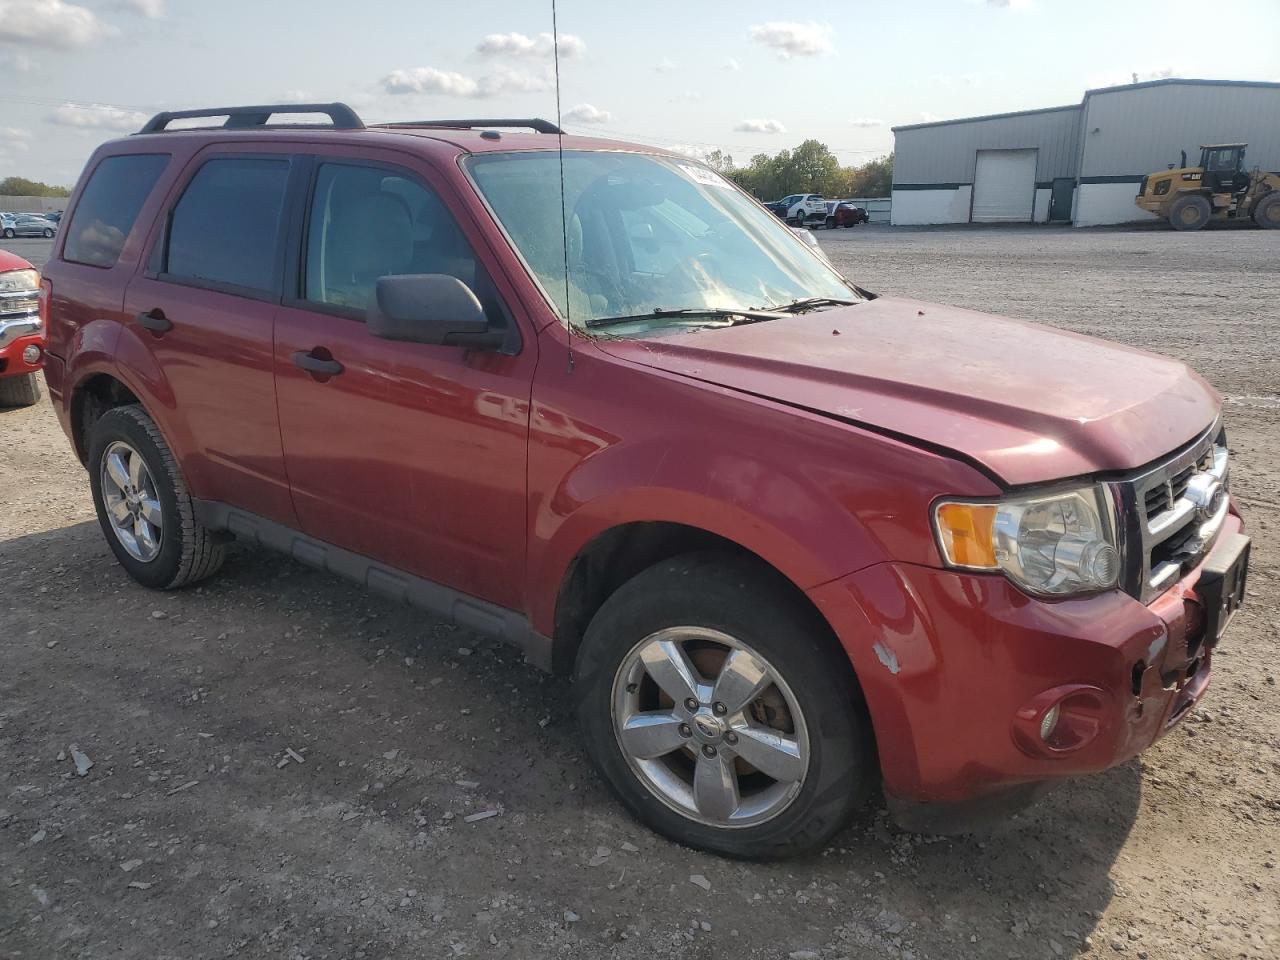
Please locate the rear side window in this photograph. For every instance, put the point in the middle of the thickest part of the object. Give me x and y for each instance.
(226, 228)
(108, 207)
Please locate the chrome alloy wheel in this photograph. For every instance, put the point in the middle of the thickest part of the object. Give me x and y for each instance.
(710, 727)
(129, 494)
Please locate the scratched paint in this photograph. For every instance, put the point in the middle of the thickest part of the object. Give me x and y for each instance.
(887, 657)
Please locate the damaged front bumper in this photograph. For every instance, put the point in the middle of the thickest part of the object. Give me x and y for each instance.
(979, 694)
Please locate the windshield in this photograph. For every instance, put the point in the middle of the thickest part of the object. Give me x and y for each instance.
(647, 233)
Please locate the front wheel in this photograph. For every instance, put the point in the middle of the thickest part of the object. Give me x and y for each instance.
(721, 711)
(831, 223)
(143, 504)
(47, 233)
(8, 233)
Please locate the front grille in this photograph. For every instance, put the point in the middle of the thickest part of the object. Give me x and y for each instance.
(1170, 515)
(18, 305)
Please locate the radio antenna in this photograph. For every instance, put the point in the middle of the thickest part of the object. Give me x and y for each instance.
(564, 217)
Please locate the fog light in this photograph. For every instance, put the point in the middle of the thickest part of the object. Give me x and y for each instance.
(31, 354)
(1050, 722)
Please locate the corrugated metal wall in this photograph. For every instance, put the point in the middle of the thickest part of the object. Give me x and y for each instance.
(1132, 132)
(946, 153)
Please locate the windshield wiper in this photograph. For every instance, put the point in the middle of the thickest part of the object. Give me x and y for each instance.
(812, 303)
(736, 315)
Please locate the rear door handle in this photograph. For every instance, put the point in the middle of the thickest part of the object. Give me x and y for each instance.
(155, 321)
(321, 366)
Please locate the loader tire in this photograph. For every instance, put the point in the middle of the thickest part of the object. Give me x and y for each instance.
(1267, 213)
(1190, 212)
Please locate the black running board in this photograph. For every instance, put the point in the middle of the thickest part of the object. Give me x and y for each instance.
(460, 608)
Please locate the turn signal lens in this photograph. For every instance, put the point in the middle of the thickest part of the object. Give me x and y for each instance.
(965, 530)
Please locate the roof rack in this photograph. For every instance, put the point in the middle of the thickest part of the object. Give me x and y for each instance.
(340, 115)
(535, 124)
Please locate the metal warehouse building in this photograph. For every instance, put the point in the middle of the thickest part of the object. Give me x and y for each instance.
(1080, 163)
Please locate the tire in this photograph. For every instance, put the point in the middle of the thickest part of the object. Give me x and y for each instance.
(20, 391)
(708, 598)
(1190, 212)
(186, 551)
(1267, 213)
(47, 233)
(831, 223)
(8, 233)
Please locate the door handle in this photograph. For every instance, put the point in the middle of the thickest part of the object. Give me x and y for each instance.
(320, 366)
(155, 321)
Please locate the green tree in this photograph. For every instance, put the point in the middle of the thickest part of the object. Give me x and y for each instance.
(873, 179)
(720, 161)
(22, 187)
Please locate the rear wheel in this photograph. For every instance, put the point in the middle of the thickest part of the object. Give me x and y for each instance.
(1190, 212)
(831, 223)
(1267, 212)
(20, 391)
(143, 504)
(720, 711)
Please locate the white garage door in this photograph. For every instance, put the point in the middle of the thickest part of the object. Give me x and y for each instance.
(1004, 187)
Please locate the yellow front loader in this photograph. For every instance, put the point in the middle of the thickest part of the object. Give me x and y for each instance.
(1219, 189)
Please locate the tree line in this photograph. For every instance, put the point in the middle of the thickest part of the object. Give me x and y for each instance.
(22, 187)
(809, 168)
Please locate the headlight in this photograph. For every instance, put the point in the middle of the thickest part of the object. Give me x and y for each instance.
(1051, 544)
(18, 281)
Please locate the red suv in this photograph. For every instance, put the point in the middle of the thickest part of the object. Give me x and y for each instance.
(21, 332)
(791, 539)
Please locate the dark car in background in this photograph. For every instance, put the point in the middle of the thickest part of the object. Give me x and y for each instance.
(844, 213)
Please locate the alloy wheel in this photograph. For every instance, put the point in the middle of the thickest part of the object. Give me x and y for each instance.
(129, 495)
(710, 727)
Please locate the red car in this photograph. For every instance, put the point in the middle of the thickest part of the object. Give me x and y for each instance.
(21, 332)
(793, 541)
(844, 213)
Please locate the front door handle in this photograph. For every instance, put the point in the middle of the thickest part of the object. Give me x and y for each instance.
(155, 321)
(317, 365)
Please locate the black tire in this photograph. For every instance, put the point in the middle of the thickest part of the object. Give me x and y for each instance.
(20, 391)
(1267, 213)
(47, 233)
(188, 551)
(8, 233)
(1191, 211)
(738, 597)
(831, 223)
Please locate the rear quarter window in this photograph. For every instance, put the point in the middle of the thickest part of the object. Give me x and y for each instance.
(109, 205)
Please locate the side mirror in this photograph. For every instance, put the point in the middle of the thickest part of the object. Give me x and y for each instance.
(430, 308)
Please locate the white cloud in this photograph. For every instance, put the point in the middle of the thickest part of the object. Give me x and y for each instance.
(430, 80)
(732, 64)
(146, 8)
(1010, 4)
(18, 62)
(691, 150)
(97, 116)
(586, 113)
(520, 45)
(794, 39)
(49, 23)
(665, 65)
(449, 83)
(866, 122)
(15, 138)
(760, 126)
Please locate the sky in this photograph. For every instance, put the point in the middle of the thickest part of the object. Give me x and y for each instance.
(746, 76)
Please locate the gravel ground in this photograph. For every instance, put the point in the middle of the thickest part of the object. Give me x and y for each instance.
(285, 766)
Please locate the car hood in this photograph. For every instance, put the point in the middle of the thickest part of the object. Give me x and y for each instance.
(1027, 402)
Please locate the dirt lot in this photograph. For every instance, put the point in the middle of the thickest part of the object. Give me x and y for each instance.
(196, 835)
